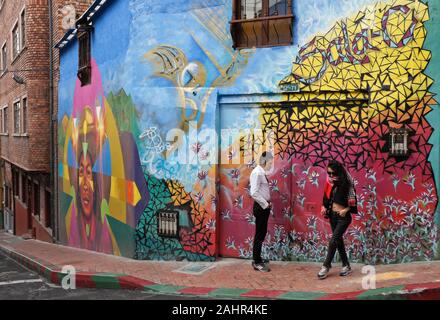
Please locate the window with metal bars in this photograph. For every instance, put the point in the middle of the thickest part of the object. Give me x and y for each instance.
(262, 23)
(84, 65)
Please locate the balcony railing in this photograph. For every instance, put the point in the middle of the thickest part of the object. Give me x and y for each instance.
(262, 32)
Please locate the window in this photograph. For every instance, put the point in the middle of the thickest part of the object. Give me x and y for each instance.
(23, 28)
(36, 201)
(15, 41)
(262, 23)
(4, 124)
(24, 116)
(3, 114)
(84, 67)
(4, 58)
(48, 213)
(17, 117)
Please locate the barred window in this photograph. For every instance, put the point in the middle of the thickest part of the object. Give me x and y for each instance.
(262, 23)
(84, 66)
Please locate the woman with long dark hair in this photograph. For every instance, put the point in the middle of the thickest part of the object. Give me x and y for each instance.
(339, 204)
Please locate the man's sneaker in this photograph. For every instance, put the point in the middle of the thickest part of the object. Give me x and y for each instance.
(323, 273)
(345, 271)
(260, 267)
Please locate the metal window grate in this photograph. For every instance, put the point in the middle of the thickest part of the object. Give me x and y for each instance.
(261, 23)
(399, 139)
(168, 224)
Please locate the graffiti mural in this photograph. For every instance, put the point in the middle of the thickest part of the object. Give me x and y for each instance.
(358, 81)
(103, 192)
(360, 74)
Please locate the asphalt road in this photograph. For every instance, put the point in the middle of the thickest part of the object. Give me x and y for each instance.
(19, 283)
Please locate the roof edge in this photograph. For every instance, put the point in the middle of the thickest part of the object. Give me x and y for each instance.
(87, 17)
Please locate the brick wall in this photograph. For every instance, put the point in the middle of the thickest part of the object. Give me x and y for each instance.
(29, 153)
(13, 148)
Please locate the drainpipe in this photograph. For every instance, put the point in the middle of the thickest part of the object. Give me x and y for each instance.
(52, 151)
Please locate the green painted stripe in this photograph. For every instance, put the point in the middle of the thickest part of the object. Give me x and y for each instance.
(112, 274)
(61, 276)
(379, 294)
(165, 288)
(106, 282)
(47, 273)
(227, 292)
(301, 295)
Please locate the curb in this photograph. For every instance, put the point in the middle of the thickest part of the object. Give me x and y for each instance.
(424, 291)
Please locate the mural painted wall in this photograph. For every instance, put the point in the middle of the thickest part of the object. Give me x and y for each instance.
(173, 82)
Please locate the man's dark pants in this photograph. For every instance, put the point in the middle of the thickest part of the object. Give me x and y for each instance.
(261, 219)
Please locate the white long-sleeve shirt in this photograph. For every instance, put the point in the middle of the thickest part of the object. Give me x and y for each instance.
(260, 190)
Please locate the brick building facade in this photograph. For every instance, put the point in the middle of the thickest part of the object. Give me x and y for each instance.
(27, 99)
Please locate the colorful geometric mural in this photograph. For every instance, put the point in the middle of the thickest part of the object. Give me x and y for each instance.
(174, 65)
(103, 190)
(358, 81)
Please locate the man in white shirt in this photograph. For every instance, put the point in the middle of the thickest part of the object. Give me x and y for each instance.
(260, 192)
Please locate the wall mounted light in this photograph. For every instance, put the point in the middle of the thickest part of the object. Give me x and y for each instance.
(18, 79)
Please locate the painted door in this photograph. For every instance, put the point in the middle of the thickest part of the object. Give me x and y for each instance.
(242, 142)
(307, 134)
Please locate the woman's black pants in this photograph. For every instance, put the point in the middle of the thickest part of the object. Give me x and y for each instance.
(261, 219)
(339, 226)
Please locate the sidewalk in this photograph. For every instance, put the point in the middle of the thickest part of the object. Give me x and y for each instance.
(226, 278)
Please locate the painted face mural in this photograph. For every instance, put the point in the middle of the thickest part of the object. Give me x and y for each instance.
(86, 185)
(104, 191)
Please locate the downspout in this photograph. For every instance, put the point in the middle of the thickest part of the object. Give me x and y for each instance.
(52, 151)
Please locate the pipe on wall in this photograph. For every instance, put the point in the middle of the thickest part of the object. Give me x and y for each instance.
(53, 151)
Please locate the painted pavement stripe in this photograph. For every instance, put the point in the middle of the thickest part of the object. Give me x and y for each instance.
(263, 293)
(106, 281)
(197, 291)
(380, 293)
(165, 288)
(301, 295)
(342, 295)
(8, 283)
(130, 282)
(227, 292)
